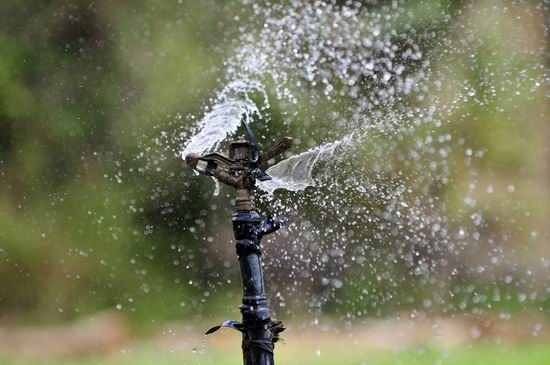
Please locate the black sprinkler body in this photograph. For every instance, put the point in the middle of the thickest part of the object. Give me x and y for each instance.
(240, 169)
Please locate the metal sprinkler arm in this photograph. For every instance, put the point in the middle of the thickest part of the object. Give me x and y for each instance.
(240, 169)
(253, 145)
(275, 151)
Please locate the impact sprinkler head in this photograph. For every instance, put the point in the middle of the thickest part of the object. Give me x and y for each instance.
(241, 168)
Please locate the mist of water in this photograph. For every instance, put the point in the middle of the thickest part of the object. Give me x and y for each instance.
(370, 85)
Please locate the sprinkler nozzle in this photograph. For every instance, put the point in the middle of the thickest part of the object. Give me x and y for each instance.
(192, 159)
(240, 168)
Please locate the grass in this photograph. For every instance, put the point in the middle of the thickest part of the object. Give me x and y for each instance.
(479, 354)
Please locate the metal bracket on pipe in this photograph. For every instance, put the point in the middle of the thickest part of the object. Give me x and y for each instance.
(271, 225)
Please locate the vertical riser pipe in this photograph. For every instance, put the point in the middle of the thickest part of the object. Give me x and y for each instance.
(257, 335)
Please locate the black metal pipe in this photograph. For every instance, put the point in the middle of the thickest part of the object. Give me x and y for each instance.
(256, 329)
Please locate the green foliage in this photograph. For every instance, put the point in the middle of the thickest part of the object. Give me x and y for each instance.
(96, 212)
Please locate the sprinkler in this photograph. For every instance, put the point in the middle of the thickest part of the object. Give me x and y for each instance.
(240, 169)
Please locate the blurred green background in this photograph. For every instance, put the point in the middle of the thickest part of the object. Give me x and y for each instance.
(96, 206)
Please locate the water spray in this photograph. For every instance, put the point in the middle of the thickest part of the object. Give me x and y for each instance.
(240, 170)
